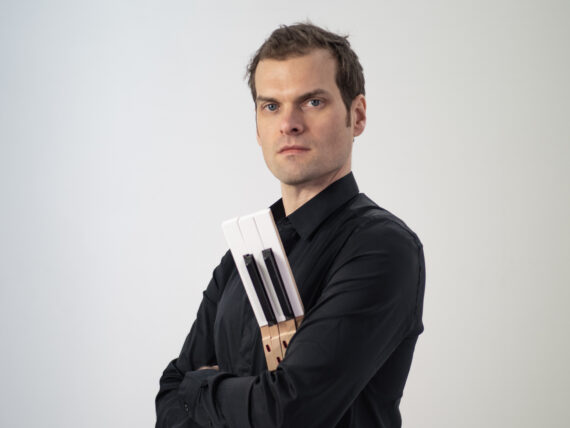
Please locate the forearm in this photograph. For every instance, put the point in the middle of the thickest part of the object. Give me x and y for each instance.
(317, 381)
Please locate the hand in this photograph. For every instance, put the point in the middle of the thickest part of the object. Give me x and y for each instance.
(209, 368)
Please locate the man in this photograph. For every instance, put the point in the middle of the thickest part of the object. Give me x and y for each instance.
(359, 269)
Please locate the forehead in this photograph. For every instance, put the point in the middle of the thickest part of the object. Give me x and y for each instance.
(297, 74)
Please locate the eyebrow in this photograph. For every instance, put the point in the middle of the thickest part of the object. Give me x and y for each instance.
(307, 95)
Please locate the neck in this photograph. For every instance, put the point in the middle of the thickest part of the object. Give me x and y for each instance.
(296, 195)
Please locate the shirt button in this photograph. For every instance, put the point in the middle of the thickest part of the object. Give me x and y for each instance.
(186, 408)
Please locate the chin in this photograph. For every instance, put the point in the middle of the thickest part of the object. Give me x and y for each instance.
(292, 179)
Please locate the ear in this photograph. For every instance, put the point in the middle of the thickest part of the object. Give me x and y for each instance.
(358, 109)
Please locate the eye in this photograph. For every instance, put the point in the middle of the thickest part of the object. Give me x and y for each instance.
(270, 107)
(315, 102)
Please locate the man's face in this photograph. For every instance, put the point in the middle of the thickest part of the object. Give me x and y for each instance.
(302, 120)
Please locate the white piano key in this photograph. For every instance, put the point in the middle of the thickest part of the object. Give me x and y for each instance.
(270, 239)
(254, 244)
(235, 240)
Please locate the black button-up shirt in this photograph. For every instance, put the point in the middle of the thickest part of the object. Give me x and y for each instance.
(360, 274)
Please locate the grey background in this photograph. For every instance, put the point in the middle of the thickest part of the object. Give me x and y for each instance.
(127, 136)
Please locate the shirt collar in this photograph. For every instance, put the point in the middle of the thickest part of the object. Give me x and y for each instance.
(310, 215)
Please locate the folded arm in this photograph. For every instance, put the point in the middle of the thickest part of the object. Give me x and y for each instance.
(368, 307)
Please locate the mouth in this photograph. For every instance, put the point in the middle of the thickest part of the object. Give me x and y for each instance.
(293, 150)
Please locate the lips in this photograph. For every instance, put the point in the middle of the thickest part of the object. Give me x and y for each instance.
(293, 149)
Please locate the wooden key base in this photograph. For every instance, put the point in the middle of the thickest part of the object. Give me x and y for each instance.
(276, 339)
(286, 331)
(271, 348)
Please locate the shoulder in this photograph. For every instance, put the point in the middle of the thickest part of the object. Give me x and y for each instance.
(378, 241)
(381, 259)
(375, 226)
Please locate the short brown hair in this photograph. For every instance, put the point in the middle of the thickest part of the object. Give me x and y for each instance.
(299, 39)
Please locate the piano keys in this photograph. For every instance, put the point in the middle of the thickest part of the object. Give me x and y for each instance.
(269, 283)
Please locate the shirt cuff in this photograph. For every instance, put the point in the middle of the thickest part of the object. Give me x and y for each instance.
(190, 389)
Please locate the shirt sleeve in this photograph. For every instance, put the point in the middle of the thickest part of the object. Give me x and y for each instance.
(370, 304)
(172, 408)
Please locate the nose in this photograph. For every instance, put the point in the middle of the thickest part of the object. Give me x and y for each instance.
(292, 122)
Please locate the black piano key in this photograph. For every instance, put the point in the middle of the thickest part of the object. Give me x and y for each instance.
(259, 289)
(278, 284)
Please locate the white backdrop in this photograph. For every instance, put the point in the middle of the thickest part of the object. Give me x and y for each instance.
(127, 136)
